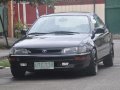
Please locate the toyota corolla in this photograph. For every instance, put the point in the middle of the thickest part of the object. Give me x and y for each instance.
(63, 41)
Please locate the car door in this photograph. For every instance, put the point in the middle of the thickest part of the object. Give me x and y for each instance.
(102, 38)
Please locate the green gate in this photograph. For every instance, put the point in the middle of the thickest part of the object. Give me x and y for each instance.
(112, 15)
(1, 13)
(4, 15)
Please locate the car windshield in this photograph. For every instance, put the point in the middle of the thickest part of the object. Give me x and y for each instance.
(61, 24)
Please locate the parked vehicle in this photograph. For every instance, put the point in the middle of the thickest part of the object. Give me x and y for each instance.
(63, 41)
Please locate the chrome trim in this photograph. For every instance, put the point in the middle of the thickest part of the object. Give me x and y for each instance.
(39, 55)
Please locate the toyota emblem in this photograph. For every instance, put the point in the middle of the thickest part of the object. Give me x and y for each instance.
(44, 51)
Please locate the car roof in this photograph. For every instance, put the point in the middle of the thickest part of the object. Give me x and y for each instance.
(70, 14)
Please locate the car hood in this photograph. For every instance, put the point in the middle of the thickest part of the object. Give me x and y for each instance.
(51, 41)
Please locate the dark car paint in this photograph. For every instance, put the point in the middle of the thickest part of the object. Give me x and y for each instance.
(101, 42)
(73, 64)
(51, 41)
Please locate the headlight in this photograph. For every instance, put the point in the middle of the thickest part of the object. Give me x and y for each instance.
(15, 51)
(76, 50)
(73, 50)
(83, 49)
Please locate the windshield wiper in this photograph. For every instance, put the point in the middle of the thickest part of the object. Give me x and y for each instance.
(62, 32)
(55, 32)
(36, 33)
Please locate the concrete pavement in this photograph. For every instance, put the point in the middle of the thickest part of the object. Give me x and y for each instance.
(4, 53)
(10, 41)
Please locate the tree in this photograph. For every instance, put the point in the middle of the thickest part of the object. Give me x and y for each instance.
(50, 4)
(36, 3)
(4, 1)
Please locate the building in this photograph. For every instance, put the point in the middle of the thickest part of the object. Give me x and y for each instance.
(97, 6)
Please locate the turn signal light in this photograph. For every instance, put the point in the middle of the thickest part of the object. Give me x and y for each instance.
(80, 58)
(11, 58)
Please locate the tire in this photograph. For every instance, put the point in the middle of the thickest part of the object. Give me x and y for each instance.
(92, 69)
(108, 60)
(17, 72)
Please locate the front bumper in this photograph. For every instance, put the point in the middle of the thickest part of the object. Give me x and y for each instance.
(73, 61)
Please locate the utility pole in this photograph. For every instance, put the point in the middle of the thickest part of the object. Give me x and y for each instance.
(46, 7)
(94, 6)
(37, 12)
(10, 19)
(18, 4)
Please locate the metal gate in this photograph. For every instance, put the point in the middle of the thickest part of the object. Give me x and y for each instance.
(1, 29)
(112, 15)
(4, 15)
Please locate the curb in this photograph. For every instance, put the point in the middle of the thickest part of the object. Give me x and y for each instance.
(1, 67)
(7, 67)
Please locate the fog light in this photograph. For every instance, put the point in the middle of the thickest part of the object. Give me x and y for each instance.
(65, 63)
(23, 64)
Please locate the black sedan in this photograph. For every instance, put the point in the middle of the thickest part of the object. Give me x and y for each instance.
(63, 41)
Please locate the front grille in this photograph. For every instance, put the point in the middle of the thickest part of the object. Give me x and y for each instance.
(29, 59)
(44, 51)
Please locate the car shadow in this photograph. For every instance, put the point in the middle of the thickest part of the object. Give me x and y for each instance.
(52, 75)
(57, 75)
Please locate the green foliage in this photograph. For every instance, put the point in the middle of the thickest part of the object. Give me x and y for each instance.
(19, 25)
(4, 1)
(35, 2)
(4, 63)
(50, 3)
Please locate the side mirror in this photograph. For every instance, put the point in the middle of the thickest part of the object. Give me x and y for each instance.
(99, 30)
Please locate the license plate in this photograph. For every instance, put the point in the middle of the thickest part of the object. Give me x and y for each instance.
(43, 65)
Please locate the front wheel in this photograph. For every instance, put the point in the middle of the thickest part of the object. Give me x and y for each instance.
(17, 72)
(92, 69)
(108, 60)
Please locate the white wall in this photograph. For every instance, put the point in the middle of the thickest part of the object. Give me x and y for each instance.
(100, 9)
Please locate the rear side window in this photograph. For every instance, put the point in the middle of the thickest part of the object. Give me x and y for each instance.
(98, 23)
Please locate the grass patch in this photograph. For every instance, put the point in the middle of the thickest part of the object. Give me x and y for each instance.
(4, 63)
(2, 46)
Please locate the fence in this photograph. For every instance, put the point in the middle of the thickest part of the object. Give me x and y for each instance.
(3, 13)
(112, 15)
